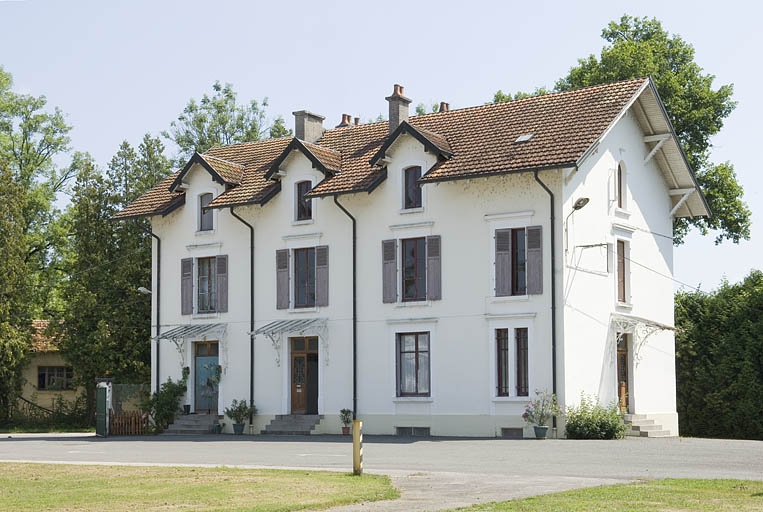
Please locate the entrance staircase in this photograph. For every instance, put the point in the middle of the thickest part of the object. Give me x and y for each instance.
(192, 424)
(643, 426)
(293, 424)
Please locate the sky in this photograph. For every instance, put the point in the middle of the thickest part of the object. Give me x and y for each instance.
(120, 69)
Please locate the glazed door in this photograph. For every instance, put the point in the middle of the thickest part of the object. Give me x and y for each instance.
(304, 375)
(206, 377)
(622, 372)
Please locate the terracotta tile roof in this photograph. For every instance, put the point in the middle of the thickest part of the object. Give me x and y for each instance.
(228, 171)
(41, 340)
(476, 141)
(157, 201)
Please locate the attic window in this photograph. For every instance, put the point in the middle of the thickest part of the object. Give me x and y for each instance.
(524, 138)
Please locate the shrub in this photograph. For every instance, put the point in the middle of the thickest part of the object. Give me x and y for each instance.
(592, 420)
(164, 404)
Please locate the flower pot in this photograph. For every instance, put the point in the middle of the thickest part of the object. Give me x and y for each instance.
(218, 429)
(541, 431)
(238, 428)
(187, 409)
(346, 431)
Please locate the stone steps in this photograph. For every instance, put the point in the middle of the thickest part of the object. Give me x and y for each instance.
(643, 426)
(292, 424)
(192, 424)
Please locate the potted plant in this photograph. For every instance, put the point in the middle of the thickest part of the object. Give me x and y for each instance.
(186, 373)
(540, 410)
(239, 412)
(345, 415)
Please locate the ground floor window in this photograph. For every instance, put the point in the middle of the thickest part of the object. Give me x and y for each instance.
(413, 364)
(54, 378)
(512, 365)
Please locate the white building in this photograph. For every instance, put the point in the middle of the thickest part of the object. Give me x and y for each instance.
(430, 273)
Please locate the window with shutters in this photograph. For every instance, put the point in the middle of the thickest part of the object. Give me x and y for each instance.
(512, 362)
(419, 269)
(206, 220)
(411, 188)
(307, 271)
(413, 364)
(204, 285)
(303, 204)
(518, 261)
(54, 378)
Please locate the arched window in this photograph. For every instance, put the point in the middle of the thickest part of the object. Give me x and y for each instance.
(205, 214)
(621, 186)
(411, 188)
(304, 205)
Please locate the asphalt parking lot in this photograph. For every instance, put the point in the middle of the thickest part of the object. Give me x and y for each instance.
(432, 473)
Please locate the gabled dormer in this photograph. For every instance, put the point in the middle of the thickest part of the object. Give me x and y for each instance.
(225, 173)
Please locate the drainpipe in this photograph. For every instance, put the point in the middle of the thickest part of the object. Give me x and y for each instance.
(156, 293)
(354, 311)
(251, 309)
(553, 288)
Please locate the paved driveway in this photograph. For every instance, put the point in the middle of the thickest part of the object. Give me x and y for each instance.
(431, 474)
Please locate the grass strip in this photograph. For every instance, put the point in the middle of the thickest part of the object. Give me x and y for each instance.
(648, 495)
(122, 488)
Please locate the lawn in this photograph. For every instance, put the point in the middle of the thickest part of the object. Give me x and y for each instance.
(663, 495)
(122, 488)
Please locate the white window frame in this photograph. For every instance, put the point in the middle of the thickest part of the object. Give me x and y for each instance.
(512, 322)
(628, 303)
(508, 220)
(213, 213)
(396, 327)
(423, 166)
(295, 202)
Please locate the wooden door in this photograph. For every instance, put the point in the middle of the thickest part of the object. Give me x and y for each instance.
(623, 391)
(304, 375)
(206, 376)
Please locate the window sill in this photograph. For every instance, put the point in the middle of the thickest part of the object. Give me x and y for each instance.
(305, 222)
(511, 399)
(413, 399)
(205, 315)
(624, 305)
(304, 310)
(404, 211)
(205, 232)
(509, 298)
(621, 213)
(414, 304)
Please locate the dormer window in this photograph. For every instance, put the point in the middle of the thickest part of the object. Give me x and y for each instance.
(205, 214)
(304, 205)
(411, 188)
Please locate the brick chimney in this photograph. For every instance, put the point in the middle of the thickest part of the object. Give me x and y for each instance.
(398, 108)
(308, 126)
(346, 120)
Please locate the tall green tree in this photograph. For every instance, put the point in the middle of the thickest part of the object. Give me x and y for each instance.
(31, 136)
(640, 47)
(15, 311)
(719, 360)
(218, 119)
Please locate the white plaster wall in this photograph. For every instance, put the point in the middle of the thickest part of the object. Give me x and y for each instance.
(590, 279)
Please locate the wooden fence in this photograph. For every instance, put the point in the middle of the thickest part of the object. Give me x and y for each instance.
(128, 423)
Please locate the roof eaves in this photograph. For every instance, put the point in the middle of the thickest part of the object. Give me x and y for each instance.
(196, 159)
(297, 144)
(469, 176)
(405, 127)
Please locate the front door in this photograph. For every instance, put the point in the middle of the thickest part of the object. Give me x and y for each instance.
(206, 376)
(622, 372)
(304, 375)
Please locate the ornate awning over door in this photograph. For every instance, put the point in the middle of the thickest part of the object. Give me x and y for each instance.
(192, 331)
(303, 326)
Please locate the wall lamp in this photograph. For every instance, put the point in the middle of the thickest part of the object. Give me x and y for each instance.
(579, 204)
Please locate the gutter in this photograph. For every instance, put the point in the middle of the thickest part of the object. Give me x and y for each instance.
(251, 309)
(553, 287)
(354, 310)
(158, 291)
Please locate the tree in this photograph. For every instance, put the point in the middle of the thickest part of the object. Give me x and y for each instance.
(719, 360)
(30, 138)
(106, 328)
(640, 47)
(15, 310)
(219, 120)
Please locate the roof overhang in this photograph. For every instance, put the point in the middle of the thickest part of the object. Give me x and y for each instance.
(200, 160)
(405, 128)
(298, 145)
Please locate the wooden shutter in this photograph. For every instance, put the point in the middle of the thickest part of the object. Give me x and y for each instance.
(434, 277)
(534, 242)
(282, 279)
(221, 266)
(389, 271)
(186, 286)
(502, 262)
(322, 275)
